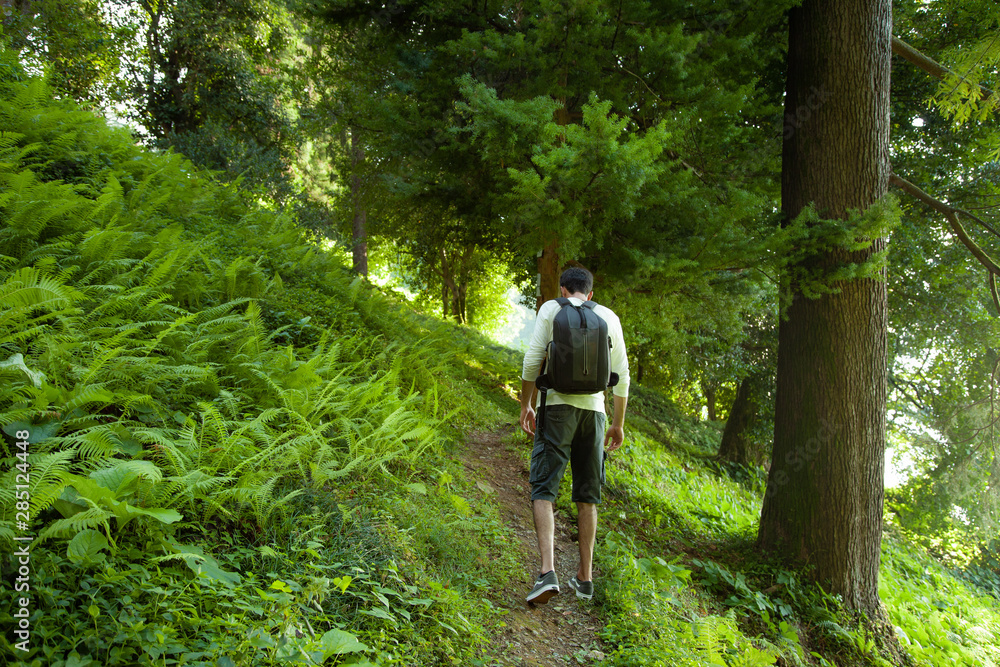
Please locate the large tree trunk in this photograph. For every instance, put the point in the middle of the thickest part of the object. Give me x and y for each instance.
(824, 497)
(359, 233)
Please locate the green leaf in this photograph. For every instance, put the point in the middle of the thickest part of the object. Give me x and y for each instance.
(117, 479)
(417, 487)
(36, 432)
(75, 660)
(161, 514)
(338, 642)
(211, 569)
(378, 612)
(17, 361)
(86, 547)
(102, 496)
(199, 562)
(342, 582)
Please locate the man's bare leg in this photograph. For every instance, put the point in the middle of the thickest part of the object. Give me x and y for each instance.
(586, 522)
(545, 527)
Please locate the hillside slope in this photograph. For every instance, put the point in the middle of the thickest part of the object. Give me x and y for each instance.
(221, 448)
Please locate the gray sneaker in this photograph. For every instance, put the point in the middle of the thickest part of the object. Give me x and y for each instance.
(584, 589)
(546, 586)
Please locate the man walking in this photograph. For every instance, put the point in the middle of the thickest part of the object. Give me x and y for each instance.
(572, 430)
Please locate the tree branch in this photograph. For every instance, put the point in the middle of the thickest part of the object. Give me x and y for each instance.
(993, 293)
(932, 67)
(907, 52)
(951, 214)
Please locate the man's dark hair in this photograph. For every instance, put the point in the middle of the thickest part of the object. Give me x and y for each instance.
(576, 279)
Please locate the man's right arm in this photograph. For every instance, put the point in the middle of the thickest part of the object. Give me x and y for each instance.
(532, 365)
(619, 362)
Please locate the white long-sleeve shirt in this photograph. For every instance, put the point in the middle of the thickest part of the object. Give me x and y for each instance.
(540, 338)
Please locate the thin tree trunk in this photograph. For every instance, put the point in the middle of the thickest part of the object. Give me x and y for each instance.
(710, 402)
(452, 303)
(736, 446)
(154, 11)
(548, 261)
(463, 287)
(548, 274)
(359, 234)
(824, 497)
(8, 9)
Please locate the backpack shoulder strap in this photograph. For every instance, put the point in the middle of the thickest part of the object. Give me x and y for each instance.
(589, 304)
(562, 301)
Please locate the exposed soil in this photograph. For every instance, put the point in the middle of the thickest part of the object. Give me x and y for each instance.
(563, 631)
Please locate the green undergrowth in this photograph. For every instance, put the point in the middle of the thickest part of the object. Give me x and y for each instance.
(681, 582)
(234, 452)
(241, 454)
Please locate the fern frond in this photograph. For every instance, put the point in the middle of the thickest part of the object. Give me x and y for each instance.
(93, 445)
(7, 535)
(92, 517)
(49, 475)
(111, 203)
(195, 485)
(30, 288)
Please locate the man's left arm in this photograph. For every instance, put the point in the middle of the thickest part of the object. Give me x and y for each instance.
(616, 432)
(619, 364)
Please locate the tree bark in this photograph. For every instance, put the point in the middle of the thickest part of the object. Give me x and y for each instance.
(736, 445)
(359, 233)
(155, 12)
(548, 274)
(710, 402)
(548, 260)
(453, 289)
(824, 496)
(8, 9)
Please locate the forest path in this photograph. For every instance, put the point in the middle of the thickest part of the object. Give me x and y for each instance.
(564, 631)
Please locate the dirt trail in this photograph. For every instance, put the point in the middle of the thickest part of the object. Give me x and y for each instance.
(559, 633)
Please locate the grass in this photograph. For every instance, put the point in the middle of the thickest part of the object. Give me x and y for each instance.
(242, 454)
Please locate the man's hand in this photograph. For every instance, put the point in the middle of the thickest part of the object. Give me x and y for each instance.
(528, 420)
(615, 435)
(527, 411)
(616, 432)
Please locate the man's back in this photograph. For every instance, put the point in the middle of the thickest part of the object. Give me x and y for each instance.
(540, 338)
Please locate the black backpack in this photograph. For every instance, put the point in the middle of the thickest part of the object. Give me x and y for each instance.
(578, 359)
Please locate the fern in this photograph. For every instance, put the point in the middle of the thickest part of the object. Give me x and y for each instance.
(92, 517)
(50, 473)
(29, 289)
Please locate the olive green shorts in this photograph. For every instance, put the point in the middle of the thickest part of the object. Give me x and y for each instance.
(568, 435)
